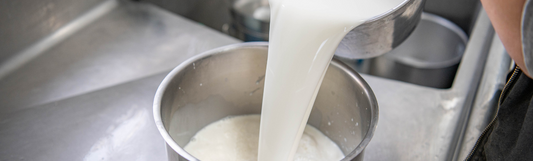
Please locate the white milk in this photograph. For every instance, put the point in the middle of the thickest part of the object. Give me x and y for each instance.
(235, 139)
(303, 37)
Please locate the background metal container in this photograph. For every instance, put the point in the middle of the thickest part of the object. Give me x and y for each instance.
(429, 57)
(382, 33)
(228, 81)
(244, 25)
(374, 37)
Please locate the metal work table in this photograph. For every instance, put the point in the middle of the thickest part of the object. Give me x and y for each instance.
(89, 96)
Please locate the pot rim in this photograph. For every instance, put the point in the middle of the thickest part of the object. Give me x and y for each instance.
(168, 79)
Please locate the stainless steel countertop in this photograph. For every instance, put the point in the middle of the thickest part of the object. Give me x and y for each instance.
(422, 123)
(89, 96)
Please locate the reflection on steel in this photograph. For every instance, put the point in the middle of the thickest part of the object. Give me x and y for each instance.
(69, 99)
(494, 78)
(428, 120)
(374, 37)
(90, 96)
(55, 38)
(429, 57)
(348, 116)
(382, 33)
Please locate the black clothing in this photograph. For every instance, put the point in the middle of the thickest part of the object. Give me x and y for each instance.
(510, 135)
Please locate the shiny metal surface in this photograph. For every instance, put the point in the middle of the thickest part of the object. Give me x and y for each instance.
(89, 97)
(422, 123)
(492, 82)
(460, 12)
(24, 56)
(109, 124)
(73, 101)
(132, 41)
(228, 81)
(212, 13)
(216, 13)
(374, 37)
(245, 25)
(429, 57)
(25, 22)
(382, 33)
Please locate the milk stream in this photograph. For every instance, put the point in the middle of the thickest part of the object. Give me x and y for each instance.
(303, 37)
(235, 139)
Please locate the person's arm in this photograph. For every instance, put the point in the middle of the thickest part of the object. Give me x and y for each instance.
(506, 17)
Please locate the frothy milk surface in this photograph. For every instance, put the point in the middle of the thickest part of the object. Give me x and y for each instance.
(235, 139)
(303, 37)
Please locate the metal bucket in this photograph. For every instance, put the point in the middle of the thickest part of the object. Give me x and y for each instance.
(429, 57)
(374, 37)
(228, 81)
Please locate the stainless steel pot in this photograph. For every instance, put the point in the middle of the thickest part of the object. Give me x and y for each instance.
(375, 37)
(228, 81)
(429, 57)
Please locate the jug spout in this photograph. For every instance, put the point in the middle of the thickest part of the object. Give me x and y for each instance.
(382, 33)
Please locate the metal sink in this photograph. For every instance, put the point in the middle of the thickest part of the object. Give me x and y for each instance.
(85, 91)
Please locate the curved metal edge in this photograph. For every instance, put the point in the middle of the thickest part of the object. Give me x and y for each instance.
(405, 4)
(414, 7)
(392, 11)
(373, 107)
(166, 81)
(446, 23)
(335, 62)
(435, 65)
(485, 103)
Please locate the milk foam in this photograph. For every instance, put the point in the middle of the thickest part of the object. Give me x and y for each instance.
(303, 37)
(235, 139)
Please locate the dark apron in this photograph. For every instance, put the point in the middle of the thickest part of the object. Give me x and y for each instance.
(509, 136)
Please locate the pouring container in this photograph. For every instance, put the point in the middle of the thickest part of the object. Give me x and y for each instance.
(429, 57)
(228, 81)
(374, 37)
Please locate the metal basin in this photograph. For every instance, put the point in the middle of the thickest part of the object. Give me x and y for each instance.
(375, 37)
(429, 57)
(382, 33)
(228, 81)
